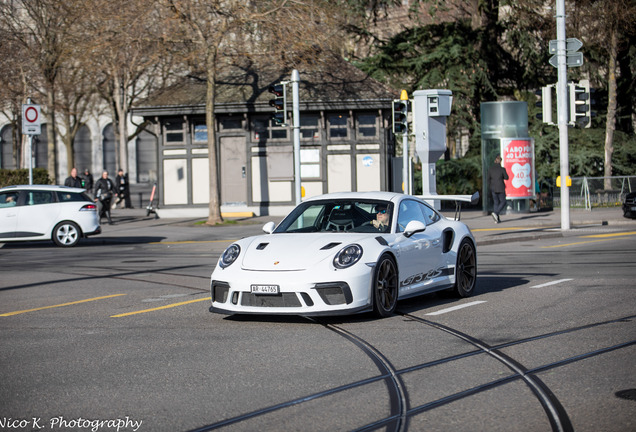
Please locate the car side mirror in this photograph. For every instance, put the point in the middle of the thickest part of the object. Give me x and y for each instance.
(269, 227)
(414, 227)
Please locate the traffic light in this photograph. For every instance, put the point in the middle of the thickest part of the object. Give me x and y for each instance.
(400, 110)
(545, 104)
(279, 103)
(580, 103)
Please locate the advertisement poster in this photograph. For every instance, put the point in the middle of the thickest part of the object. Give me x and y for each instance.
(518, 159)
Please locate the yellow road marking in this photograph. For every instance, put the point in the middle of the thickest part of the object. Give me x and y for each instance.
(572, 244)
(503, 229)
(160, 308)
(604, 237)
(611, 235)
(193, 241)
(60, 305)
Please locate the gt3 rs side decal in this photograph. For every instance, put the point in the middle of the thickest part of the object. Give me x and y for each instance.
(423, 277)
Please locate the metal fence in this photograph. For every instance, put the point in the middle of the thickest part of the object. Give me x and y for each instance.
(590, 192)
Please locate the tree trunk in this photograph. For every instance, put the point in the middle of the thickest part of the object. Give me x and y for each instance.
(120, 128)
(50, 137)
(610, 124)
(214, 216)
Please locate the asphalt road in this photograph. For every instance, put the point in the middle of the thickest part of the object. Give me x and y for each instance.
(116, 333)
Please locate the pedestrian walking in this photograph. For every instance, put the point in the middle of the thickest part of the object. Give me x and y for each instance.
(104, 193)
(496, 177)
(123, 189)
(88, 181)
(73, 180)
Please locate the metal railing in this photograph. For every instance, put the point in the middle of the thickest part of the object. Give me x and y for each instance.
(589, 192)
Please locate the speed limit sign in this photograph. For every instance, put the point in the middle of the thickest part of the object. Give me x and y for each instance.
(31, 119)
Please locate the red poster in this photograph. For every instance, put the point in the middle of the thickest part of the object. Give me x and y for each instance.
(518, 160)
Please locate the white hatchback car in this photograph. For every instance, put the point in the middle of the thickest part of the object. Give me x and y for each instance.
(47, 212)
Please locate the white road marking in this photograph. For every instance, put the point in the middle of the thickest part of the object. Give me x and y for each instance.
(454, 308)
(551, 283)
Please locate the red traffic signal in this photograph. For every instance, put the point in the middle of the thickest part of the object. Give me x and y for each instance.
(277, 89)
(279, 104)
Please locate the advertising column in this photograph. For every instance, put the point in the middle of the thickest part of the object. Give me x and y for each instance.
(518, 159)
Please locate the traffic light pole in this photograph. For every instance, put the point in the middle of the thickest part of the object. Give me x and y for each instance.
(562, 113)
(295, 80)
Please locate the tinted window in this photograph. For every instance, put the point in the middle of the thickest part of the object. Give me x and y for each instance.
(72, 197)
(39, 197)
(414, 210)
(429, 214)
(8, 199)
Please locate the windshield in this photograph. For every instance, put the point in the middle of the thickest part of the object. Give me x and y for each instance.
(371, 216)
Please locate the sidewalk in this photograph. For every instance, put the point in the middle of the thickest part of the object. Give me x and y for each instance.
(513, 227)
(532, 226)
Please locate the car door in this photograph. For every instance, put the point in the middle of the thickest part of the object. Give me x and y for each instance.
(38, 215)
(8, 214)
(419, 258)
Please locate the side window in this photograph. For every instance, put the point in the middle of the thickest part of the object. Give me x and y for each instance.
(68, 196)
(8, 199)
(430, 215)
(39, 197)
(409, 211)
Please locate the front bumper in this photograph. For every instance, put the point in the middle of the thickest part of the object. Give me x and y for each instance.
(300, 292)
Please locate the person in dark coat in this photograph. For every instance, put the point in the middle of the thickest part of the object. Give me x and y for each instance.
(73, 180)
(123, 189)
(496, 176)
(88, 181)
(104, 193)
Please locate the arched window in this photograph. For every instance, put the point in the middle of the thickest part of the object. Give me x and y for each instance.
(41, 149)
(146, 158)
(83, 149)
(109, 151)
(7, 159)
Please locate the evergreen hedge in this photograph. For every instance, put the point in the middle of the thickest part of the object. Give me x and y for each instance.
(21, 177)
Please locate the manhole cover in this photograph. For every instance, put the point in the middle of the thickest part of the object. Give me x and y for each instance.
(629, 394)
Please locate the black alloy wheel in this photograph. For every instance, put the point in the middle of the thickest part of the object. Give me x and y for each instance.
(385, 287)
(466, 269)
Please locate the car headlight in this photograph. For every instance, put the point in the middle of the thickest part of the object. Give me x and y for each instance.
(229, 256)
(347, 256)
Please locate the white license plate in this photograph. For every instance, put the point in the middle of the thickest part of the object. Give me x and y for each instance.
(632, 208)
(265, 289)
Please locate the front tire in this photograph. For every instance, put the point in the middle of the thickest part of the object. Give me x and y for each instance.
(385, 287)
(466, 269)
(66, 234)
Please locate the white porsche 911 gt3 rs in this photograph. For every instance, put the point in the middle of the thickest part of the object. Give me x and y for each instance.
(345, 253)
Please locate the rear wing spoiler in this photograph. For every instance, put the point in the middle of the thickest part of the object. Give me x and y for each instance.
(459, 199)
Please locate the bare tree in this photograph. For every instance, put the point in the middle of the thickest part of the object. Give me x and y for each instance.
(40, 28)
(608, 26)
(222, 31)
(13, 90)
(125, 52)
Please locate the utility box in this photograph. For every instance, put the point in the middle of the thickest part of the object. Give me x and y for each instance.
(430, 110)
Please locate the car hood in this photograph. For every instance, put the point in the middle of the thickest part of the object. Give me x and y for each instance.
(293, 252)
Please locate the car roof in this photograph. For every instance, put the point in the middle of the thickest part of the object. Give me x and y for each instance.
(42, 187)
(382, 196)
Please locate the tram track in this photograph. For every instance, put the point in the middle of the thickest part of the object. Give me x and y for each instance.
(400, 406)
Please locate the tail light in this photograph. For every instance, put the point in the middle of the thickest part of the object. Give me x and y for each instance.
(89, 207)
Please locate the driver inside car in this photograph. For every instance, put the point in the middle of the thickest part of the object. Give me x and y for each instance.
(382, 218)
